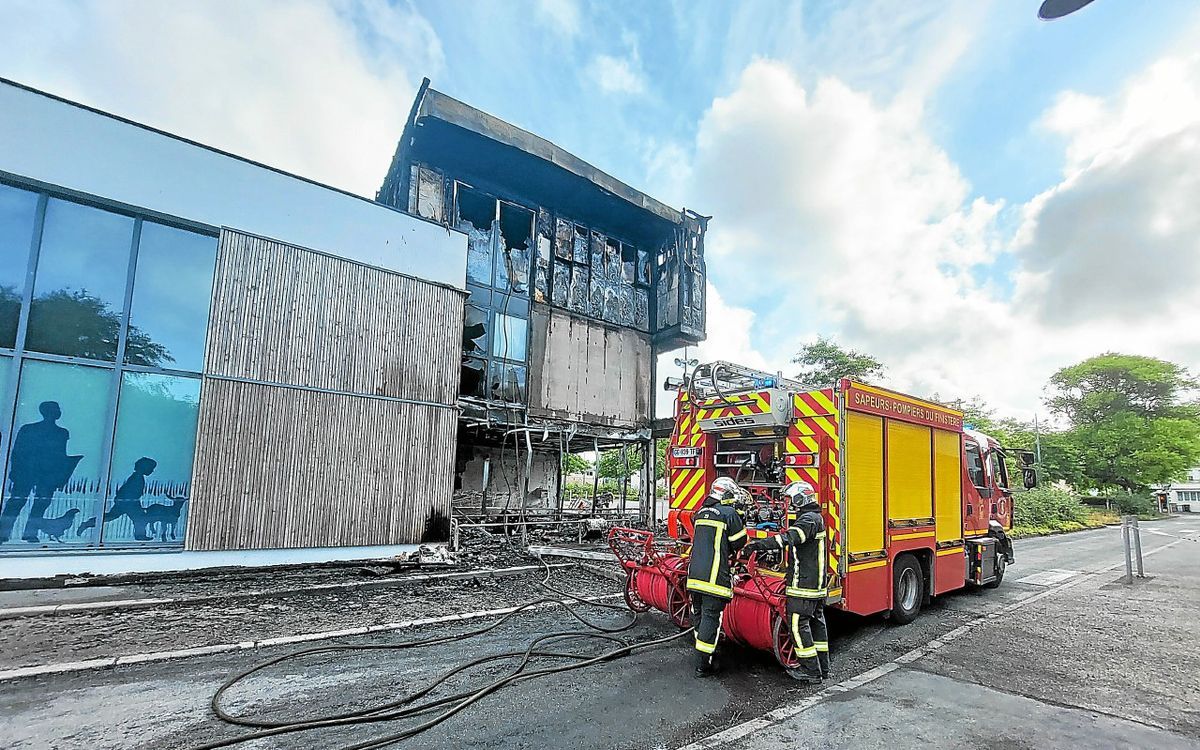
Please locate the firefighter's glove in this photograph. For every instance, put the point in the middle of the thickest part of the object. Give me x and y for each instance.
(758, 545)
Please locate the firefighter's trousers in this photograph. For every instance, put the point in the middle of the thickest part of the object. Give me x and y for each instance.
(810, 634)
(706, 617)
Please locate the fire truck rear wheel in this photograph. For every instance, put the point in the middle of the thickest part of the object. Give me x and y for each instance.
(908, 589)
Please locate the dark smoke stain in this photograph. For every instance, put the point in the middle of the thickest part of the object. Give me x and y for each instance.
(437, 528)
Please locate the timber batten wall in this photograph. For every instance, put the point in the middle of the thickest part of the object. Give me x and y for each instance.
(328, 414)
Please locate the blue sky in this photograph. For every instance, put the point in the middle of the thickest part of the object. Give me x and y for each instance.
(973, 195)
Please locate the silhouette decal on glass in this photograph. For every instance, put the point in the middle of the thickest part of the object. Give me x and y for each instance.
(39, 464)
(127, 500)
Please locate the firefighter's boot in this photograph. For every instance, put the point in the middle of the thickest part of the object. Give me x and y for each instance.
(707, 665)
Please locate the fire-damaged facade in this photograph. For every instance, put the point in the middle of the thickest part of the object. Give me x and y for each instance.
(576, 283)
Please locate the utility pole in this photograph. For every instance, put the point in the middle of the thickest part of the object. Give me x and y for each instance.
(1037, 440)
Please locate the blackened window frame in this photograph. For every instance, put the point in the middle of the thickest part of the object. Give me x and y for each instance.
(18, 354)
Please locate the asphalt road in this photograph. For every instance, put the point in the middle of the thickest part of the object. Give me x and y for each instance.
(1120, 662)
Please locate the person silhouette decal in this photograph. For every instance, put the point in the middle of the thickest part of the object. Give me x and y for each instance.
(128, 500)
(39, 464)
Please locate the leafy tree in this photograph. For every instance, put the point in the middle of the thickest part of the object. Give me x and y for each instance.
(824, 362)
(1130, 426)
(80, 324)
(573, 464)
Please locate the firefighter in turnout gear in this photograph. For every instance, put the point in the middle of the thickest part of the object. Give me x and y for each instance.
(804, 541)
(719, 534)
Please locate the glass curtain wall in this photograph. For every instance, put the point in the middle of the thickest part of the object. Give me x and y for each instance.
(103, 316)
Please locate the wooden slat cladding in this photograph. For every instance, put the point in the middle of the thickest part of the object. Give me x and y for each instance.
(581, 370)
(287, 467)
(282, 314)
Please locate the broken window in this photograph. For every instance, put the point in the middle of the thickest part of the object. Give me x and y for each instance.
(475, 331)
(508, 336)
(597, 254)
(476, 212)
(541, 260)
(580, 254)
(628, 263)
(612, 260)
(430, 195)
(472, 381)
(596, 296)
(516, 234)
(643, 261)
(506, 382)
(562, 283)
(577, 296)
(641, 309)
(564, 239)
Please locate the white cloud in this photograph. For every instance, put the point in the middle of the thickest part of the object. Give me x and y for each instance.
(317, 88)
(838, 214)
(617, 75)
(561, 15)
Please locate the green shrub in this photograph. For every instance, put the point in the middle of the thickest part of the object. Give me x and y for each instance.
(1134, 505)
(1049, 508)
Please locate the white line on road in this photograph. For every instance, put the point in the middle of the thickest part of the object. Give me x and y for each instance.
(736, 732)
(1049, 577)
(184, 653)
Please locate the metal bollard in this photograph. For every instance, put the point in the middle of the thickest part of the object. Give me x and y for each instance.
(1128, 552)
(1137, 546)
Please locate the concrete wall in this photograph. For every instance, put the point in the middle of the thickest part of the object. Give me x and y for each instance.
(66, 145)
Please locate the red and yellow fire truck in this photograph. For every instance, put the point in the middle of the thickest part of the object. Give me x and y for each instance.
(916, 504)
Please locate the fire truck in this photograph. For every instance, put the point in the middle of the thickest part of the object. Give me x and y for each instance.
(916, 503)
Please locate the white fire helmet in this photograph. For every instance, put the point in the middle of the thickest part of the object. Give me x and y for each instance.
(724, 489)
(800, 494)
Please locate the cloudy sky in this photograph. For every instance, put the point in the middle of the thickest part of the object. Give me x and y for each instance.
(973, 196)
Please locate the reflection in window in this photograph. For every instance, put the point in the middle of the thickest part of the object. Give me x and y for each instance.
(171, 293)
(18, 211)
(79, 291)
(150, 479)
(507, 382)
(508, 336)
(54, 477)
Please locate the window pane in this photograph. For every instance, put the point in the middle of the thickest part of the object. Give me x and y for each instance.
(152, 459)
(18, 210)
(79, 292)
(475, 331)
(54, 469)
(507, 383)
(508, 337)
(171, 291)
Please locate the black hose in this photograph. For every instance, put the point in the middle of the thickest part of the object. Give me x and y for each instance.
(404, 707)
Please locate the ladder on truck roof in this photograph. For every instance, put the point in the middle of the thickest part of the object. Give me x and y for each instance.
(722, 379)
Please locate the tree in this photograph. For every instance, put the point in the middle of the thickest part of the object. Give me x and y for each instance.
(825, 362)
(1130, 426)
(573, 464)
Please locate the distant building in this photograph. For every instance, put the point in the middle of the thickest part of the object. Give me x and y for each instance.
(577, 283)
(1184, 496)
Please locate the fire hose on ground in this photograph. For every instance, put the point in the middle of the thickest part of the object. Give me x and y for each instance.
(408, 706)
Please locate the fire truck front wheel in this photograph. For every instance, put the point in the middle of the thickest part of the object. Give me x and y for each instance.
(908, 589)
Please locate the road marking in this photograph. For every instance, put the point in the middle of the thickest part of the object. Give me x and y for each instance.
(219, 648)
(1049, 577)
(738, 731)
(99, 606)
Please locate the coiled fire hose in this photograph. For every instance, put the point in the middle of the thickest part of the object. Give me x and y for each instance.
(408, 707)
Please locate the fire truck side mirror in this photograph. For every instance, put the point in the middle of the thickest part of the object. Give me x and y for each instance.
(1029, 477)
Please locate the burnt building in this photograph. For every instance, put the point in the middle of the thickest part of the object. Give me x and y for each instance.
(576, 283)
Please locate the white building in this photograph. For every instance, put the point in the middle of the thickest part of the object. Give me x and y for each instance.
(1184, 496)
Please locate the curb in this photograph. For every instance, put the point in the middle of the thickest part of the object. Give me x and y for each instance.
(121, 604)
(220, 648)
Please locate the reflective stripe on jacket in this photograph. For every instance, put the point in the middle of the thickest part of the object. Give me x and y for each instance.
(805, 542)
(719, 533)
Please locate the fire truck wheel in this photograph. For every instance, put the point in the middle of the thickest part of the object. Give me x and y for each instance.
(908, 589)
(1001, 562)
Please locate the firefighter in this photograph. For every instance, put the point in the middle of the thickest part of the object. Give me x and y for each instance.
(804, 541)
(719, 533)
